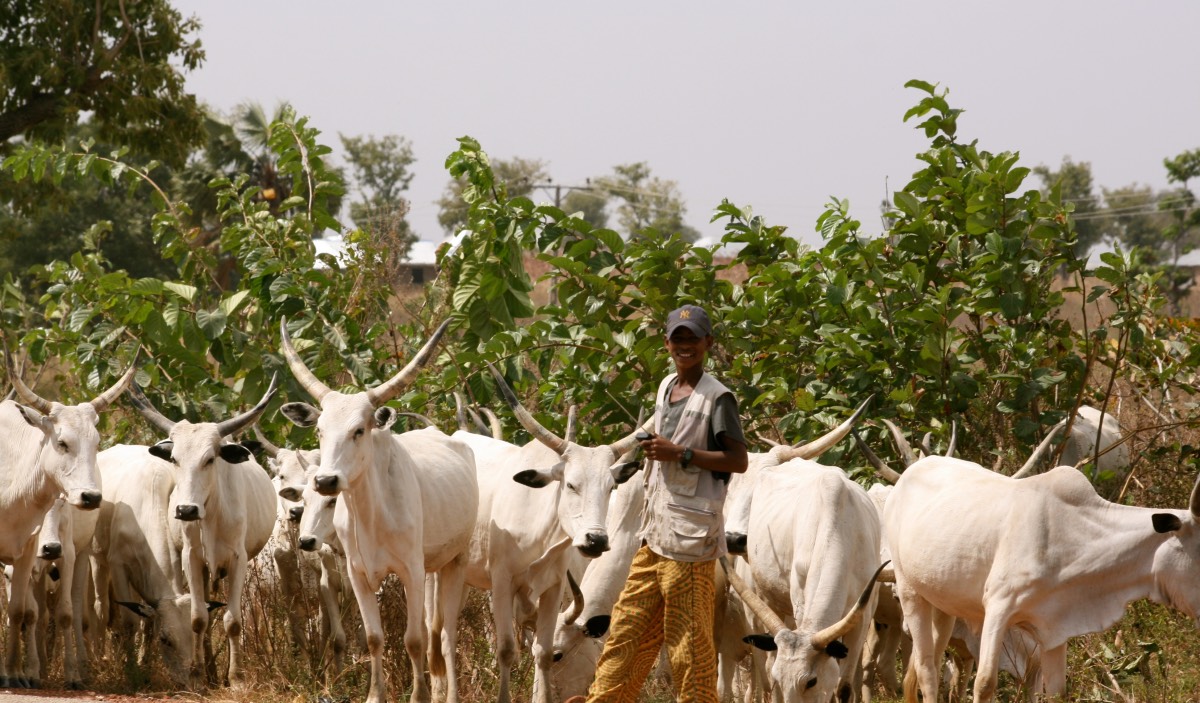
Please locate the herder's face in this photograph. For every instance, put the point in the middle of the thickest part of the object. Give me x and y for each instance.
(686, 349)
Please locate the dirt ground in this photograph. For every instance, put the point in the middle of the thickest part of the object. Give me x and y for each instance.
(17, 695)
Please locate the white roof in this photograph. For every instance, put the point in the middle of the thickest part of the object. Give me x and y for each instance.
(422, 253)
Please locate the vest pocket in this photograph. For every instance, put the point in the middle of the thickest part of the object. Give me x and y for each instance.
(695, 529)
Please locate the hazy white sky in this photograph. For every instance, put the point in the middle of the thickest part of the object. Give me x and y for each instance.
(778, 105)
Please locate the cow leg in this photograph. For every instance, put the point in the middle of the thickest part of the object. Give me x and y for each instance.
(1053, 670)
(506, 639)
(923, 669)
(65, 617)
(21, 613)
(233, 619)
(991, 640)
(78, 590)
(193, 562)
(451, 583)
(543, 640)
(414, 631)
(331, 617)
(368, 608)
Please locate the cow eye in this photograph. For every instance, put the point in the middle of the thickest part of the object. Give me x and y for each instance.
(62, 445)
(571, 487)
(166, 641)
(209, 462)
(358, 433)
(811, 682)
(331, 502)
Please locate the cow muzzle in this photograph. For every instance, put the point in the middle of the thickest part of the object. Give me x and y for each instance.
(594, 544)
(294, 514)
(51, 550)
(735, 542)
(187, 513)
(308, 543)
(89, 500)
(326, 484)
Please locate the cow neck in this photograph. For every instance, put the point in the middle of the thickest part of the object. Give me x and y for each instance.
(24, 482)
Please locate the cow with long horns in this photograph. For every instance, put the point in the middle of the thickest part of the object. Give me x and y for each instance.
(223, 509)
(49, 450)
(560, 490)
(409, 507)
(1045, 554)
(813, 549)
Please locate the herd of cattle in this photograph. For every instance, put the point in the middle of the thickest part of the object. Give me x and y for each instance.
(827, 580)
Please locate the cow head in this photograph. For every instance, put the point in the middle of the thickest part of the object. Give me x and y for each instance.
(55, 531)
(170, 622)
(287, 468)
(352, 428)
(198, 450)
(586, 476)
(1176, 566)
(69, 441)
(806, 666)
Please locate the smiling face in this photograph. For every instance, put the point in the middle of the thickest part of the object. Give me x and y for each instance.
(688, 350)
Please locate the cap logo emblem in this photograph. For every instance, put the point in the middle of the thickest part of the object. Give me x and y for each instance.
(685, 314)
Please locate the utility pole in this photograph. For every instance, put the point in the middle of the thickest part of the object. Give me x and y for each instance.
(559, 188)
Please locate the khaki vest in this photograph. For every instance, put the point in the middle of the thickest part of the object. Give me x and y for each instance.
(682, 518)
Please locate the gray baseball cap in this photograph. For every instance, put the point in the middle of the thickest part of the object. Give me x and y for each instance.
(692, 317)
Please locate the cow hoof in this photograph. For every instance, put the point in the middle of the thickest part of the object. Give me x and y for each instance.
(74, 685)
(35, 683)
(4, 682)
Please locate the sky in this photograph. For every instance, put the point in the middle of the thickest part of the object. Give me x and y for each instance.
(775, 105)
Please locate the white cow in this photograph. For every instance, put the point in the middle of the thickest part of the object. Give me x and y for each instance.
(519, 523)
(48, 449)
(302, 548)
(223, 504)
(410, 503)
(813, 549)
(1089, 430)
(136, 562)
(1045, 554)
(64, 550)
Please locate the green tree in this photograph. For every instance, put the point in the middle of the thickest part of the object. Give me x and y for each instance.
(1132, 217)
(120, 62)
(1074, 183)
(590, 203)
(381, 171)
(646, 203)
(519, 176)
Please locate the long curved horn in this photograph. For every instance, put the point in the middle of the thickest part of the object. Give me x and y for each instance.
(822, 639)
(235, 424)
(629, 441)
(768, 441)
(926, 447)
(493, 423)
(907, 455)
(576, 598)
(884, 471)
(527, 420)
(757, 605)
(418, 416)
(1031, 463)
(953, 438)
(825, 442)
(572, 423)
(267, 446)
(886, 575)
(396, 384)
(31, 399)
(460, 412)
(1194, 501)
(148, 411)
(307, 379)
(110, 396)
(480, 426)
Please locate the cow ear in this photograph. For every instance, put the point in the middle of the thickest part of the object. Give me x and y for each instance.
(301, 414)
(385, 417)
(234, 453)
(140, 609)
(213, 605)
(534, 478)
(290, 493)
(624, 472)
(837, 650)
(163, 450)
(764, 642)
(31, 416)
(1165, 522)
(255, 447)
(596, 626)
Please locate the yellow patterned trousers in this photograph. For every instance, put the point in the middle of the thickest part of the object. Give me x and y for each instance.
(664, 601)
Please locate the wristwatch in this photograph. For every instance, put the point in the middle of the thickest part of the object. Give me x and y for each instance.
(685, 458)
